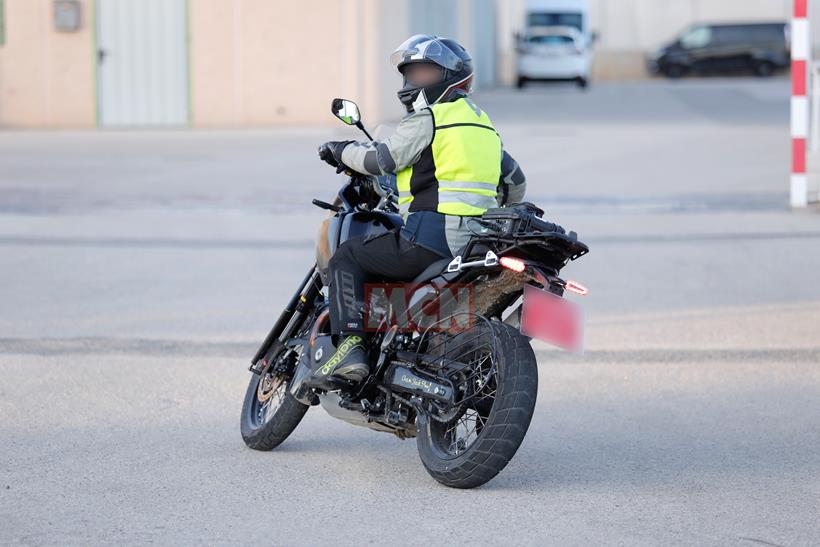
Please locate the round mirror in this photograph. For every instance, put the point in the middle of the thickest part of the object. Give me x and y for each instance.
(345, 110)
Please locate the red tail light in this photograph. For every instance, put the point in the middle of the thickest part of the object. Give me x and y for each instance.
(513, 264)
(577, 288)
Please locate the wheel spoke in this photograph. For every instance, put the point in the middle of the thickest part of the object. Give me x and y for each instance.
(274, 400)
(475, 381)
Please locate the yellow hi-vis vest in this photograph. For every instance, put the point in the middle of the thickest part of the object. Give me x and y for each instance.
(457, 174)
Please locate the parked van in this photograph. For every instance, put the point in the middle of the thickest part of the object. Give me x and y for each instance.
(762, 48)
(553, 53)
(556, 43)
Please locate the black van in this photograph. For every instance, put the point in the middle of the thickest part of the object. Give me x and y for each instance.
(760, 47)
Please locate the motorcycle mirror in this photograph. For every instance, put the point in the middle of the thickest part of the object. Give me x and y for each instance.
(347, 111)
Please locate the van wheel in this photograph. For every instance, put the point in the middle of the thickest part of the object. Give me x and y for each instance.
(581, 82)
(764, 69)
(521, 82)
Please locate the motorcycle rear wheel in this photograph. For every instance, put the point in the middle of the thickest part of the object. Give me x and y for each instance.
(460, 455)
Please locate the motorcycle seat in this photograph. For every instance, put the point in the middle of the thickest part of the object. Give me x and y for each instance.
(440, 266)
(431, 271)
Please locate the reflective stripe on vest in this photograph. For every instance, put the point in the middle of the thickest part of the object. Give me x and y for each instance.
(466, 153)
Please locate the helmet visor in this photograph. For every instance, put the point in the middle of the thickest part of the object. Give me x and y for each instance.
(423, 47)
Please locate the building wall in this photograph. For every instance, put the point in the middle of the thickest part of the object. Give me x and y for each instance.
(471, 22)
(278, 62)
(257, 62)
(47, 77)
(253, 62)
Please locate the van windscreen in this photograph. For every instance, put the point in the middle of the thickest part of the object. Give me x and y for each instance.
(553, 19)
(553, 40)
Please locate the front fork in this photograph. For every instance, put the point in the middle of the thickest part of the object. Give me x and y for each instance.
(290, 319)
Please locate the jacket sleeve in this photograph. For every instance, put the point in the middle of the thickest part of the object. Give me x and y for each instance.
(413, 134)
(513, 184)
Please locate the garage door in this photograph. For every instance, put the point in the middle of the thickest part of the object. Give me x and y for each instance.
(142, 55)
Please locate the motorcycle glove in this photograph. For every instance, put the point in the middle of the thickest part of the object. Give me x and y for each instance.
(331, 153)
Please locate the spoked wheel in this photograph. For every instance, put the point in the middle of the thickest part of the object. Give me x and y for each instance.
(468, 444)
(478, 387)
(270, 413)
(270, 394)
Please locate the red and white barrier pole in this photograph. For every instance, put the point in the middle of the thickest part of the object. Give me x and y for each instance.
(801, 58)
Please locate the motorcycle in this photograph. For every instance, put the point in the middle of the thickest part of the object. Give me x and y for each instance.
(459, 373)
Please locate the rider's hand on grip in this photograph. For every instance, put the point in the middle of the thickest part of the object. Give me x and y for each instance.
(331, 152)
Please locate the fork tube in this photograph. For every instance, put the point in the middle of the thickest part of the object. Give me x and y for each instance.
(290, 316)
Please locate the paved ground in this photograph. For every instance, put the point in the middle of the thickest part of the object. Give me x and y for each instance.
(138, 271)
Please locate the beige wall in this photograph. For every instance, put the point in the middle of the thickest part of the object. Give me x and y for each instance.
(253, 62)
(46, 77)
(258, 62)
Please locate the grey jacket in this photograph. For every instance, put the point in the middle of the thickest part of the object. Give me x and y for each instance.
(402, 149)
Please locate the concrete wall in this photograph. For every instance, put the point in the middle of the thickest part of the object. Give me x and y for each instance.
(47, 77)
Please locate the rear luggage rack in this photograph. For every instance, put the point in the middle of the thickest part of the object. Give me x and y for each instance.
(522, 224)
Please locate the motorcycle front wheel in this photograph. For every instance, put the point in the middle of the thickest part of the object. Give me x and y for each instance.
(269, 413)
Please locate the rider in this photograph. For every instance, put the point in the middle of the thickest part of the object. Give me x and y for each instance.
(449, 164)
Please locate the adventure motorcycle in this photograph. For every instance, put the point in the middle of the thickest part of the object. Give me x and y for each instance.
(468, 393)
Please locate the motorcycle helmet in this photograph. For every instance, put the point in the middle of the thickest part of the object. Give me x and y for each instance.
(456, 70)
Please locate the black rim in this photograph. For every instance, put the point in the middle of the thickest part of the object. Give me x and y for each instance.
(455, 430)
(453, 438)
(272, 387)
(263, 412)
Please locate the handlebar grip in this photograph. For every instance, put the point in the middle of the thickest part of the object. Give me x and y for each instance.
(326, 205)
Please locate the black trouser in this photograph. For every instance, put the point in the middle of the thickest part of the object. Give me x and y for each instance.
(387, 256)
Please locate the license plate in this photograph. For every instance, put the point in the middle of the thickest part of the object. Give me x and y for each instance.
(548, 317)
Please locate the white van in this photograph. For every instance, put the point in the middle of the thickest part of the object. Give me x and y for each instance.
(556, 44)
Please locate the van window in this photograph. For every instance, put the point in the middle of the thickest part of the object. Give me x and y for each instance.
(769, 33)
(734, 35)
(746, 34)
(696, 37)
(553, 39)
(574, 20)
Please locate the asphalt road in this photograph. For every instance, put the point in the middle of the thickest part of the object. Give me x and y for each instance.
(139, 270)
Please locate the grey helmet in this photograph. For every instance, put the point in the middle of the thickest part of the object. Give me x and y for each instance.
(457, 73)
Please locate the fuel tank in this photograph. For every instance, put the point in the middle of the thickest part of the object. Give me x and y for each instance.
(338, 228)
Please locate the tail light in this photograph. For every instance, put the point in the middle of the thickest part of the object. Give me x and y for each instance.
(514, 264)
(577, 288)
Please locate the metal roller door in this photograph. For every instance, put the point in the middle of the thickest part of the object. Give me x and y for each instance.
(142, 55)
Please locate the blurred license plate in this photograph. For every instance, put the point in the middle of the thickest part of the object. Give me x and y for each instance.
(550, 318)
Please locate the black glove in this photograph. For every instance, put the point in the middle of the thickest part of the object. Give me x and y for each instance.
(331, 152)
